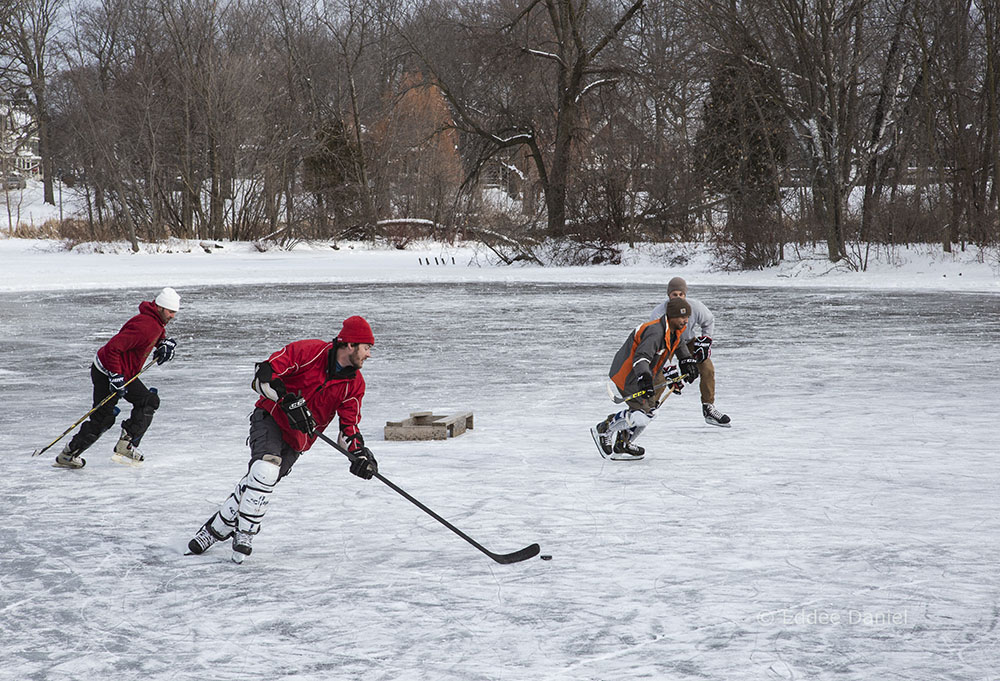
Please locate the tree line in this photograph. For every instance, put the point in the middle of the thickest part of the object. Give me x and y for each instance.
(548, 129)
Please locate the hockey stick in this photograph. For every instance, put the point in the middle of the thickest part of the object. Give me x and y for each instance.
(504, 558)
(83, 418)
(642, 393)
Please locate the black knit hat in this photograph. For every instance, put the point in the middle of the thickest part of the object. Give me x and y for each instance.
(678, 307)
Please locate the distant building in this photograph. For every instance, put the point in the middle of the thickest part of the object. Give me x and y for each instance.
(18, 142)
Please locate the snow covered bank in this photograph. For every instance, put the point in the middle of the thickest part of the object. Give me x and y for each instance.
(38, 265)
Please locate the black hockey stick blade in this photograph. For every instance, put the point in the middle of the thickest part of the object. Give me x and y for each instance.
(517, 556)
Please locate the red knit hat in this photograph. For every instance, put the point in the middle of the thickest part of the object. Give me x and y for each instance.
(356, 330)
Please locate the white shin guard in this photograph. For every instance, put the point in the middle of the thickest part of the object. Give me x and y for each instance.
(224, 522)
(252, 495)
(633, 420)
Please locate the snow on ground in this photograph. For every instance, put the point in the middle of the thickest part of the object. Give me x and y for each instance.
(38, 265)
(844, 528)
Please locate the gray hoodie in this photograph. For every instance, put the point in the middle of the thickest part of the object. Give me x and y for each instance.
(701, 323)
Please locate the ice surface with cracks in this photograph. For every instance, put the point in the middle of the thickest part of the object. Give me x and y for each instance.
(844, 528)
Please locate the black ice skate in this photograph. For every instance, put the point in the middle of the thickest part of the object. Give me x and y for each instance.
(625, 450)
(714, 417)
(242, 546)
(598, 432)
(205, 538)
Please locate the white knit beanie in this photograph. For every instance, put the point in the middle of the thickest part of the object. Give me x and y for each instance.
(168, 299)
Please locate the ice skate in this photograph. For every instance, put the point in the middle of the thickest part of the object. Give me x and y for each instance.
(625, 450)
(242, 545)
(598, 433)
(205, 538)
(714, 417)
(126, 453)
(68, 458)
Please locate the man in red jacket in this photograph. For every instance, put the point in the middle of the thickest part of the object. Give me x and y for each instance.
(116, 363)
(302, 388)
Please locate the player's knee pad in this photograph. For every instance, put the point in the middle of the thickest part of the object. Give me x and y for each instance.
(263, 473)
(150, 403)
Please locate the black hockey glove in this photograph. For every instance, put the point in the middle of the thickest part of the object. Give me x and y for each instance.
(164, 351)
(364, 464)
(689, 367)
(117, 382)
(299, 416)
(702, 348)
(645, 384)
(673, 376)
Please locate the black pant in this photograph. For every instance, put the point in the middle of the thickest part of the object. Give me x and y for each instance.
(144, 404)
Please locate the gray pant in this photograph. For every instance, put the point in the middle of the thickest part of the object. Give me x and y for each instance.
(265, 440)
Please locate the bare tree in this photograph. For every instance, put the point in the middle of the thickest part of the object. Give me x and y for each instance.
(353, 27)
(544, 57)
(28, 36)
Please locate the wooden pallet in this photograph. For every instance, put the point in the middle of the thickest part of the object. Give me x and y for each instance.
(423, 425)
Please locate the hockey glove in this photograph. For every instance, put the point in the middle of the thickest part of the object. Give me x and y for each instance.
(673, 376)
(645, 384)
(689, 367)
(266, 384)
(117, 382)
(299, 416)
(364, 464)
(702, 348)
(164, 351)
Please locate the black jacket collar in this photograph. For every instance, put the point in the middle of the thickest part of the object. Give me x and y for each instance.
(332, 374)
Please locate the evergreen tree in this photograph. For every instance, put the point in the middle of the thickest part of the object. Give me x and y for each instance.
(742, 148)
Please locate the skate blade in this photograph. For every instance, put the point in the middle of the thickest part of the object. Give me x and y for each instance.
(625, 457)
(125, 460)
(67, 468)
(238, 557)
(720, 425)
(597, 441)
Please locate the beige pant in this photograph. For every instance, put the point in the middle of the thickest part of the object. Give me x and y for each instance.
(707, 372)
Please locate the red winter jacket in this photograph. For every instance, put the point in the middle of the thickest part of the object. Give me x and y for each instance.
(128, 349)
(303, 366)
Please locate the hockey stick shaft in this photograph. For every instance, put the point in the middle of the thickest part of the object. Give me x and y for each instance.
(83, 418)
(642, 393)
(505, 558)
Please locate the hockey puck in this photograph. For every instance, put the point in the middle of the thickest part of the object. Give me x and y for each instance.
(546, 557)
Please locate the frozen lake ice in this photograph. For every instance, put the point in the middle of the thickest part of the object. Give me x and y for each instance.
(844, 528)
